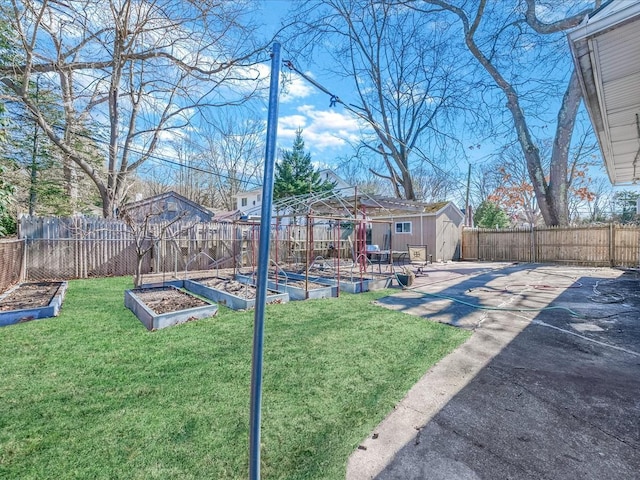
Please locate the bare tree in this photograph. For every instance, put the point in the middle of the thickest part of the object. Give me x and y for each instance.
(138, 70)
(189, 178)
(146, 231)
(483, 182)
(506, 182)
(231, 147)
(397, 64)
(586, 194)
(436, 185)
(500, 36)
(356, 171)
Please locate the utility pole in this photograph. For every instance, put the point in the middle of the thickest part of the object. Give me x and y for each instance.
(467, 220)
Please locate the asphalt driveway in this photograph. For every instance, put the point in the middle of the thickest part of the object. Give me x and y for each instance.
(547, 387)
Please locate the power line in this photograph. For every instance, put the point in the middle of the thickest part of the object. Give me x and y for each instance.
(151, 156)
(358, 111)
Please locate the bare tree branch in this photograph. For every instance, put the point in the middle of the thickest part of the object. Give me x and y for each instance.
(136, 70)
(551, 190)
(554, 27)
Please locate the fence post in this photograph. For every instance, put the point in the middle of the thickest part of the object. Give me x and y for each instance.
(23, 267)
(612, 245)
(533, 244)
(478, 246)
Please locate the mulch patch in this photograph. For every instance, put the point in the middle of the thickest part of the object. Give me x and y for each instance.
(167, 299)
(30, 295)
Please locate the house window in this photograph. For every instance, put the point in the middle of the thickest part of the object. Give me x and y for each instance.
(258, 200)
(403, 227)
(243, 201)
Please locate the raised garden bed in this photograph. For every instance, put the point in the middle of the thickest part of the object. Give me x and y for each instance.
(348, 283)
(165, 306)
(31, 301)
(295, 288)
(231, 293)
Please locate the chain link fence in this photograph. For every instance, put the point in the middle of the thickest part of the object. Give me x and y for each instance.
(66, 259)
(65, 249)
(11, 262)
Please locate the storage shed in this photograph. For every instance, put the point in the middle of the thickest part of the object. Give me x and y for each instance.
(403, 222)
(166, 207)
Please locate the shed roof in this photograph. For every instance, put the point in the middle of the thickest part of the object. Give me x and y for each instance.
(165, 196)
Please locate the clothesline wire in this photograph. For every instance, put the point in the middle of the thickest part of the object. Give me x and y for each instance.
(334, 99)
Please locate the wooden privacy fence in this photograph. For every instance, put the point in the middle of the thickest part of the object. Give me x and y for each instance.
(11, 262)
(593, 245)
(67, 248)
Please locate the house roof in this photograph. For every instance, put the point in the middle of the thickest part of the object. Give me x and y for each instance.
(606, 52)
(164, 196)
(247, 192)
(226, 216)
(394, 207)
(389, 206)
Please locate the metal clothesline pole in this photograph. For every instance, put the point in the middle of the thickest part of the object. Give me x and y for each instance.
(263, 269)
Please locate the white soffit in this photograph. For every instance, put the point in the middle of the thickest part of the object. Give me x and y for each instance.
(606, 52)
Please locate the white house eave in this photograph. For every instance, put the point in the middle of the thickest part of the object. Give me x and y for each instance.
(597, 24)
(613, 21)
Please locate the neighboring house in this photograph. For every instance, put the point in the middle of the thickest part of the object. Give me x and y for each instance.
(341, 187)
(250, 202)
(249, 199)
(166, 207)
(437, 225)
(606, 53)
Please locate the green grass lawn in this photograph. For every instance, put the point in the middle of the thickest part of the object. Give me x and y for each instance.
(93, 394)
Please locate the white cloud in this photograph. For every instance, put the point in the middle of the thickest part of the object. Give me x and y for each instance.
(292, 122)
(324, 131)
(295, 87)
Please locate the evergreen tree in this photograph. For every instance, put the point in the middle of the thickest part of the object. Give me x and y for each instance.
(32, 165)
(490, 215)
(7, 220)
(624, 203)
(295, 174)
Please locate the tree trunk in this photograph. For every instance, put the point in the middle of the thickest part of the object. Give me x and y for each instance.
(407, 185)
(137, 281)
(71, 183)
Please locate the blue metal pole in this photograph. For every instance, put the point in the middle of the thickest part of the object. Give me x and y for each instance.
(263, 268)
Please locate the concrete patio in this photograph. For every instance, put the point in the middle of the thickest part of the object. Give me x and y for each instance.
(548, 386)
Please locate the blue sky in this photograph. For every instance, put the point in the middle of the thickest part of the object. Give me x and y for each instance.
(327, 130)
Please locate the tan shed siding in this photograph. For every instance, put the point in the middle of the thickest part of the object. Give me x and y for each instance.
(379, 235)
(423, 231)
(430, 230)
(449, 230)
(441, 232)
(401, 240)
(448, 242)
